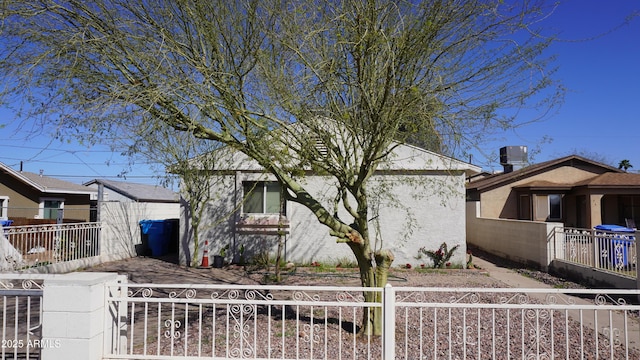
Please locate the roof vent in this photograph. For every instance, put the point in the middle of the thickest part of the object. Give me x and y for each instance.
(513, 158)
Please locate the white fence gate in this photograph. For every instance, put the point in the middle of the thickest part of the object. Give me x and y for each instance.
(604, 250)
(284, 322)
(20, 317)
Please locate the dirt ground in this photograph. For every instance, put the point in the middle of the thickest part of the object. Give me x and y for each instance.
(165, 270)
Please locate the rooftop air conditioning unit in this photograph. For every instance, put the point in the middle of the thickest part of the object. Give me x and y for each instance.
(513, 157)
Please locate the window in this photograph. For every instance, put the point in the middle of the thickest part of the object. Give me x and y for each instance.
(261, 197)
(4, 206)
(525, 207)
(51, 208)
(555, 207)
(548, 207)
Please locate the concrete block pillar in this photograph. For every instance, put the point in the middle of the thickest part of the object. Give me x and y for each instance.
(73, 318)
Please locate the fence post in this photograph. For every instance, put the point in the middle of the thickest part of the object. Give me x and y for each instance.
(389, 322)
(73, 316)
(635, 245)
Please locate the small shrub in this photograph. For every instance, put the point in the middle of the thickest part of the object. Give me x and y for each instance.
(439, 257)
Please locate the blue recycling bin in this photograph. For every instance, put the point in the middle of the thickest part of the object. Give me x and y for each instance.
(6, 223)
(159, 233)
(614, 242)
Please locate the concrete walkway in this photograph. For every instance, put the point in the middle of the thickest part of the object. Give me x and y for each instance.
(508, 276)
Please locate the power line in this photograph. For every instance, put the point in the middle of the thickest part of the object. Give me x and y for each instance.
(61, 150)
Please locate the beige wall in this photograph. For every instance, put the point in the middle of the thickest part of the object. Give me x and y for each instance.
(502, 202)
(523, 241)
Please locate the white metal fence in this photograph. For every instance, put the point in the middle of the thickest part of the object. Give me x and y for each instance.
(21, 318)
(610, 251)
(280, 322)
(37, 245)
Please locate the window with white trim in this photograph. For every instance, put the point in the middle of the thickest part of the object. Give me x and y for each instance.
(50, 208)
(4, 206)
(261, 197)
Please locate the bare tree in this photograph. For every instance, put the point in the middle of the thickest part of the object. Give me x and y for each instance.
(191, 159)
(321, 86)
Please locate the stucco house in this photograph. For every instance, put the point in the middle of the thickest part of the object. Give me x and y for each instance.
(572, 190)
(28, 198)
(417, 200)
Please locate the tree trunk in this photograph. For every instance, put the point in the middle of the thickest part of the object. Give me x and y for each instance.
(195, 261)
(279, 258)
(372, 276)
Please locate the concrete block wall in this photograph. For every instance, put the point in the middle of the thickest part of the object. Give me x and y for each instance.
(527, 242)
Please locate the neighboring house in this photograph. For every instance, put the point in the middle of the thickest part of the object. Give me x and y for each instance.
(122, 205)
(416, 196)
(25, 196)
(159, 200)
(572, 190)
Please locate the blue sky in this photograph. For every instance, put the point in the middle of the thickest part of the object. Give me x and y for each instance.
(600, 117)
(601, 113)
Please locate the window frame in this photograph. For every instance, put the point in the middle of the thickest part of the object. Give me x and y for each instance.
(42, 209)
(525, 212)
(4, 207)
(263, 188)
(559, 205)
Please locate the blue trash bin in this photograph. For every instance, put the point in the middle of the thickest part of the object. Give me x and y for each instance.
(614, 242)
(159, 233)
(6, 223)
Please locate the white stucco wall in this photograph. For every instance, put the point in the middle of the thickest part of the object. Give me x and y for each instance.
(413, 211)
(120, 223)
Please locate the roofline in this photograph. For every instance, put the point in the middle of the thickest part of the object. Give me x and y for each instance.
(470, 167)
(524, 172)
(42, 189)
(126, 193)
(21, 177)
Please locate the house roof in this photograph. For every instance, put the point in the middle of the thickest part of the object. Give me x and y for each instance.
(611, 179)
(504, 178)
(402, 158)
(46, 184)
(544, 185)
(138, 192)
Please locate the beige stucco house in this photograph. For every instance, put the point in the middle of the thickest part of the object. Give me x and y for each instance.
(572, 190)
